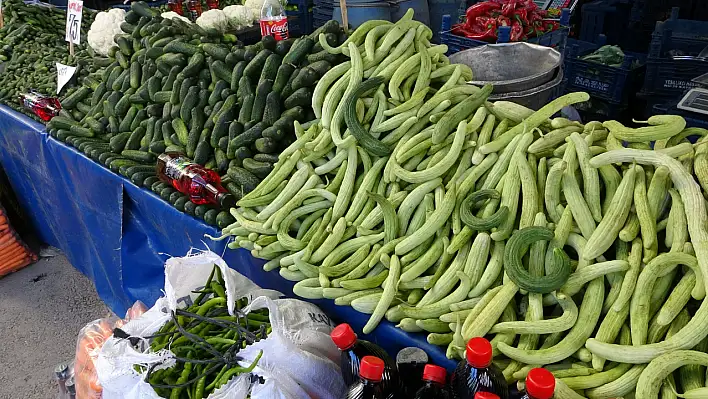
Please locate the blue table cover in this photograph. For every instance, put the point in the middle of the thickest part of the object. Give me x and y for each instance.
(119, 235)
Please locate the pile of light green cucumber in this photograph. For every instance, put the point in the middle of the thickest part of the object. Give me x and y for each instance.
(575, 247)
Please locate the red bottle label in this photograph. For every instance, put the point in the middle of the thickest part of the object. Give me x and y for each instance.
(278, 28)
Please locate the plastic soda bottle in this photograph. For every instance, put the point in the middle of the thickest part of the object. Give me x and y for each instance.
(44, 107)
(434, 379)
(201, 185)
(354, 350)
(194, 7)
(411, 363)
(540, 384)
(485, 395)
(274, 21)
(212, 4)
(477, 373)
(369, 385)
(175, 6)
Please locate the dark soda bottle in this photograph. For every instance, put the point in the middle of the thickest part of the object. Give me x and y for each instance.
(485, 395)
(353, 350)
(434, 379)
(540, 384)
(44, 107)
(477, 373)
(411, 363)
(201, 185)
(369, 384)
(194, 8)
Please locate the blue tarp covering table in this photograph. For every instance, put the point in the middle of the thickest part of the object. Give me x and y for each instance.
(119, 235)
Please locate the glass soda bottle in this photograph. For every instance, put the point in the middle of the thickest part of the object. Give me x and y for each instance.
(194, 7)
(201, 185)
(175, 6)
(369, 385)
(477, 373)
(354, 350)
(540, 384)
(434, 380)
(44, 107)
(274, 20)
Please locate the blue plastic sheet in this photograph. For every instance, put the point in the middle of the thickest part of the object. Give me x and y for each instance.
(119, 235)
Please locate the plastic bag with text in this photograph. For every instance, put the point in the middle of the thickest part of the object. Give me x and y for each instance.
(308, 344)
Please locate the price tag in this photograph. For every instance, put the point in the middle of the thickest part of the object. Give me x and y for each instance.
(64, 74)
(73, 21)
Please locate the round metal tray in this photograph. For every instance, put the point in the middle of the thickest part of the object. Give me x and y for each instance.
(510, 67)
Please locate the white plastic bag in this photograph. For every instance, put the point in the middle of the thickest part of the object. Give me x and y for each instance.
(299, 359)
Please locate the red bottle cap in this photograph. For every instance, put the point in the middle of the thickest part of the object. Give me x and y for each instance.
(371, 368)
(343, 336)
(485, 395)
(434, 373)
(479, 352)
(540, 383)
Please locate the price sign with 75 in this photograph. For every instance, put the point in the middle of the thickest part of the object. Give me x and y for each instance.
(73, 21)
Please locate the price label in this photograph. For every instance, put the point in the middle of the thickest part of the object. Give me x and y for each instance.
(73, 21)
(64, 74)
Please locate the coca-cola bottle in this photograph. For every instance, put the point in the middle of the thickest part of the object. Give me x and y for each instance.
(194, 7)
(201, 185)
(434, 380)
(175, 6)
(274, 21)
(44, 107)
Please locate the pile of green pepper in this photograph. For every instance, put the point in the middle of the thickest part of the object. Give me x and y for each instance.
(206, 340)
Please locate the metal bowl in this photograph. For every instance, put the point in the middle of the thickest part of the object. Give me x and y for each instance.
(510, 67)
(533, 98)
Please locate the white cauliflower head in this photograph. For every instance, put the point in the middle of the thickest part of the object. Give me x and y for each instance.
(215, 19)
(239, 16)
(255, 7)
(104, 28)
(172, 15)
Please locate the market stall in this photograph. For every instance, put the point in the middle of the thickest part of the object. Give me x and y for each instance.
(361, 171)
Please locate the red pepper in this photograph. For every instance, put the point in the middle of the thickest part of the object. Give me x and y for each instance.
(517, 31)
(509, 7)
(531, 5)
(481, 9)
(521, 15)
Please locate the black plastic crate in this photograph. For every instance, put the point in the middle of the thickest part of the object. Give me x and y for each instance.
(605, 82)
(604, 17)
(670, 70)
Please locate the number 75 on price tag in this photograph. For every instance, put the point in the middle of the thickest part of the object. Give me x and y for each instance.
(73, 21)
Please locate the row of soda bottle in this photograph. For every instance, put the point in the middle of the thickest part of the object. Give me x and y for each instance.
(370, 373)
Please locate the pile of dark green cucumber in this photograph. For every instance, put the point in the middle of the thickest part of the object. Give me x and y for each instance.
(31, 43)
(170, 85)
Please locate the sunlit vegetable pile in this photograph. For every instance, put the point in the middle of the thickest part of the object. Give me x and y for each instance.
(415, 199)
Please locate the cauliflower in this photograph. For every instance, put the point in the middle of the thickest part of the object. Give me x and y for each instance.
(255, 7)
(104, 27)
(215, 19)
(239, 16)
(172, 14)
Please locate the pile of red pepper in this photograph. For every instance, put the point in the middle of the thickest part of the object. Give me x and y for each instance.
(483, 20)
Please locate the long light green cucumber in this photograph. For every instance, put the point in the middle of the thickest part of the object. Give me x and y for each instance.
(563, 322)
(619, 387)
(439, 168)
(613, 221)
(690, 191)
(534, 120)
(431, 226)
(653, 376)
(661, 127)
(639, 306)
(591, 180)
(445, 277)
(484, 321)
(491, 272)
(389, 292)
(409, 204)
(588, 315)
(442, 306)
